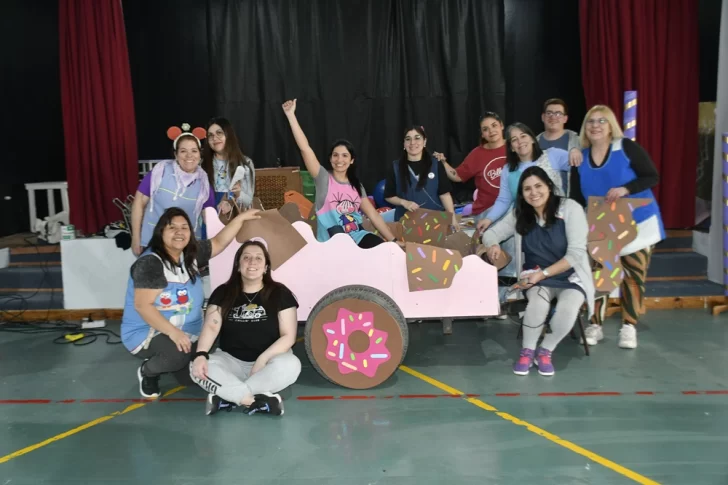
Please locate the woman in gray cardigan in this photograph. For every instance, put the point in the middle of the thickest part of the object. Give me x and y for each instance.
(551, 234)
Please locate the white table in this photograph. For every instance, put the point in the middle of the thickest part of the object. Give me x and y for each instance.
(95, 273)
(49, 187)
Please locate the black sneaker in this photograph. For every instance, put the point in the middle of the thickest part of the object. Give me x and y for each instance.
(266, 403)
(148, 386)
(215, 403)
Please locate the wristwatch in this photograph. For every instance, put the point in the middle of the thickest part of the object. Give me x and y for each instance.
(546, 273)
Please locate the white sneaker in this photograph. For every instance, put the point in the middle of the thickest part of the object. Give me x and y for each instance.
(628, 337)
(593, 334)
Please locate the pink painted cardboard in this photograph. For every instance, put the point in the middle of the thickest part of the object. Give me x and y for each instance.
(319, 268)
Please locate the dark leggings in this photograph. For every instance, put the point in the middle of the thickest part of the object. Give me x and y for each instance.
(369, 241)
(165, 358)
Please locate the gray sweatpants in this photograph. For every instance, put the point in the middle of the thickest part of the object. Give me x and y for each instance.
(230, 379)
(568, 303)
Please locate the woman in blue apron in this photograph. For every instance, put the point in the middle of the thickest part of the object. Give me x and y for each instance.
(172, 183)
(417, 179)
(614, 167)
(551, 232)
(163, 306)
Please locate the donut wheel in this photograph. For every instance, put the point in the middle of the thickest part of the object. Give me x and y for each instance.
(356, 337)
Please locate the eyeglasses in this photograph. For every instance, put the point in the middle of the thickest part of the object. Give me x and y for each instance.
(218, 134)
(599, 121)
(554, 114)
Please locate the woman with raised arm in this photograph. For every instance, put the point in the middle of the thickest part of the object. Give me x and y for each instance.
(255, 318)
(164, 297)
(339, 194)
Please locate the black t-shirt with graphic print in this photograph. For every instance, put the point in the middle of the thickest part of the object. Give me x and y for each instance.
(250, 327)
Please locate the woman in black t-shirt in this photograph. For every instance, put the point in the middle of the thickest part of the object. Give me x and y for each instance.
(256, 320)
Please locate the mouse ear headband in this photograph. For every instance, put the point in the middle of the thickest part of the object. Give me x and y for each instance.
(174, 133)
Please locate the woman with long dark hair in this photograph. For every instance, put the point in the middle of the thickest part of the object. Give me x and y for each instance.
(221, 158)
(164, 297)
(339, 195)
(255, 318)
(551, 232)
(417, 180)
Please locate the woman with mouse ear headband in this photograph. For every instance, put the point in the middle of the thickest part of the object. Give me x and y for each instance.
(172, 183)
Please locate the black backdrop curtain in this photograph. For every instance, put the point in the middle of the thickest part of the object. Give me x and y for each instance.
(361, 70)
(542, 60)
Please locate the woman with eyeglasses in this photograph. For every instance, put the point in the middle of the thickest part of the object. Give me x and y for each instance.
(221, 158)
(417, 179)
(618, 167)
(484, 163)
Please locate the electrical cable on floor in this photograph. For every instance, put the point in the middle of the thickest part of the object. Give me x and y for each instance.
(74, 332)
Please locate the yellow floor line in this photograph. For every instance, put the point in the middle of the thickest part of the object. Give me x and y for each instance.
(88, 425)
(534, 429)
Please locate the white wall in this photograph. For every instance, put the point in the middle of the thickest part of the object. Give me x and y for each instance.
(715, 259)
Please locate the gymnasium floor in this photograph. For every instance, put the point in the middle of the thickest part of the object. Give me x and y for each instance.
(657, 414)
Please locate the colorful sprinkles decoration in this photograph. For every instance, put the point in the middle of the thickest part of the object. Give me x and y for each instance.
(611, 227)
(437, 266)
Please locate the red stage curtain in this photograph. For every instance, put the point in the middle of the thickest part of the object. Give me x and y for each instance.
(650, 46)
(98, 111)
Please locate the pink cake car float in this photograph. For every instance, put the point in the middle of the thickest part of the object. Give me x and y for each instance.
(356, 302)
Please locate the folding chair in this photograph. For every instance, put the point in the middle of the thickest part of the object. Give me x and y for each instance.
(573, 335)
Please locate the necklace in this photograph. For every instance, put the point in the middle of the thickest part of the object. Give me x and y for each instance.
(250, 300)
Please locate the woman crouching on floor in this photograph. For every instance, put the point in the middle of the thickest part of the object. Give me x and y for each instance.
(551, 232)
(257, 322)
(164, 297)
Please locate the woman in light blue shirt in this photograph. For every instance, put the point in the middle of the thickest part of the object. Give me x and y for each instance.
(525, 152)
